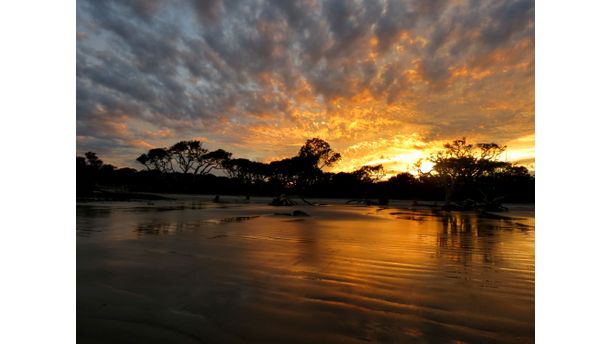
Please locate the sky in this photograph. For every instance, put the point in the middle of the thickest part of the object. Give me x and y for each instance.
(382, 81)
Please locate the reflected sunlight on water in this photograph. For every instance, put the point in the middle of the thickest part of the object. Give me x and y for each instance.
(199, 272)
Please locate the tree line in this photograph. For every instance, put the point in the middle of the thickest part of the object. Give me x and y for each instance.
(460, 172)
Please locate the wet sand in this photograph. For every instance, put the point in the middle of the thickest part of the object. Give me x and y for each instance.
(196, 271)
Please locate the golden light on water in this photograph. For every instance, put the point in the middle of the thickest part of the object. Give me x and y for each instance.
(311, 279)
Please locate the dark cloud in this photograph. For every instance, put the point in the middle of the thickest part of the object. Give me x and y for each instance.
(236, 69)
(207, 11)
(506, 20)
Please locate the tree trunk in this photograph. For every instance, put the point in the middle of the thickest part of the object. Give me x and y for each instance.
(448, 192)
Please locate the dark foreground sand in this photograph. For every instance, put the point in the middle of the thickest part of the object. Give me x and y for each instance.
(192, 270)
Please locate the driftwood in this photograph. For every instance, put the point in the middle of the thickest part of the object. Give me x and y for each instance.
(417, 204)
(295, 213)
(305, 201)
(470, 204)
(282, 201)
(467, 205)
(381, 201)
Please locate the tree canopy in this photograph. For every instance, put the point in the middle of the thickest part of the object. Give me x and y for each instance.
(460, 171)
(187, 156)
(460, 163)
(321, 153)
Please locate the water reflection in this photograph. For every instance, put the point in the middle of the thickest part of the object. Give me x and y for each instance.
(344, 274)
(463, 236)
(87, 218)
(239, 218)
(159, 228)
(164, 228)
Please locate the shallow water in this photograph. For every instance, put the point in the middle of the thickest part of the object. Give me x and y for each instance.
(195, 271)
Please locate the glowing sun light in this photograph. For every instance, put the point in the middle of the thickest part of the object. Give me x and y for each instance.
(426, 166)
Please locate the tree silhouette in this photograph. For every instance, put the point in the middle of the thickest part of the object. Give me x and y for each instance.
(212, 161)
(90, 170)
(187, 155)
(157, 159)
(461, 163)
(461, 171)
(287, 171)
(239, 168)
(370, 173)
(93, 161)
(321, 153)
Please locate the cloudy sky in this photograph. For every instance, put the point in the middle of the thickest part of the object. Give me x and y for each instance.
(381, 81)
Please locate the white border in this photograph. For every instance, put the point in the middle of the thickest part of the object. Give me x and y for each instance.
(573, 260)
(38, 135)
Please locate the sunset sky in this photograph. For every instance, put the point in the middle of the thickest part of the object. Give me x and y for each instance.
(383, 82)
